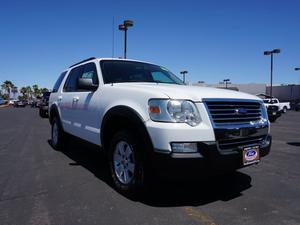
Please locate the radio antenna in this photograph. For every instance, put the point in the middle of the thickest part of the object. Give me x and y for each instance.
(113, 37)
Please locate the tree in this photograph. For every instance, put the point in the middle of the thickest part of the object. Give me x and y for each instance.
(14, 90)
(29, 92)
(36, 90)
(43, 90)
(23, 91)
(6, 86)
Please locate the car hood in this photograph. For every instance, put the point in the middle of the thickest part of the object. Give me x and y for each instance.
(194, 93)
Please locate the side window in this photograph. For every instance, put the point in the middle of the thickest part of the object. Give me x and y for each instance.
(71, 83)
(160, 77)
(90, 72)
(58, 82)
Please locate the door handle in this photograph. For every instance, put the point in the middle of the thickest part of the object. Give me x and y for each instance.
(75, 99)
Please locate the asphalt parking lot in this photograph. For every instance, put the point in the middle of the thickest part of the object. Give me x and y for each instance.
(41, 186)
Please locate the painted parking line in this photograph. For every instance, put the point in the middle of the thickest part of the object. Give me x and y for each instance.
(199, 215)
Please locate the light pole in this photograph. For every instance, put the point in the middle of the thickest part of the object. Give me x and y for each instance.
(124, 27)
(276, 50)
(297, 68)
(226, 81)
(184, 72)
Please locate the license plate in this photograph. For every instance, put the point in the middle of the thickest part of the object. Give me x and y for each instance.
(250, 155)
(274, 113)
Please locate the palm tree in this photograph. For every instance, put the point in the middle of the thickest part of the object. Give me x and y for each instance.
(29, 92)
(36, 90)
(14, 90)
(23, 90)
(43, 90)
(6, 86)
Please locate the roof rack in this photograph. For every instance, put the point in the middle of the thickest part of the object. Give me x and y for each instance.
(91, 58)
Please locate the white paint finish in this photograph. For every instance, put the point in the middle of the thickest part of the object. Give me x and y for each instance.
(91, 107)
(162, 134)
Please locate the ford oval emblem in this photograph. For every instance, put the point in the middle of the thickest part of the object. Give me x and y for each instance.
(241, 111)
(251, 155)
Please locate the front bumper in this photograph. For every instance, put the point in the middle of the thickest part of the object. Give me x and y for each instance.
(210, 159)
(44, 107)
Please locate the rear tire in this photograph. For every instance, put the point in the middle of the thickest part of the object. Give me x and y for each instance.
(57, 134)
(126, 163)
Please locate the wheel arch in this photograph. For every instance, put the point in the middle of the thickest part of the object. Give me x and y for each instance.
(120, 117)
(53, 112)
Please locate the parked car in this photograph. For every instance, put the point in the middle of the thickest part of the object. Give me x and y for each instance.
(283, 106)
(43, 111)
(273, 112)
(297, 106)
(148, 121)
(2, 102)
(12, 102)
(18, 104)
(34, 104)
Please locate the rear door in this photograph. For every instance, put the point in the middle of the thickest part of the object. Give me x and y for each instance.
(68, 101)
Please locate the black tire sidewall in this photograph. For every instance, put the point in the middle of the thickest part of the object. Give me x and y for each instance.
(131, 189)
(58, 144)
(42, 113)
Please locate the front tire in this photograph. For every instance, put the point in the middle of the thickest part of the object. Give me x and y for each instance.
(126, 163)
(43, 113)
(284, 109)
(57, 134)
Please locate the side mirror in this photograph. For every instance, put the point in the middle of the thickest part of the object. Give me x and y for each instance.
(87, 84)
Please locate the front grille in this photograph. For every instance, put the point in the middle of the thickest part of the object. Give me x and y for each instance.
(234, 112)
(273, 108)
(236, 143)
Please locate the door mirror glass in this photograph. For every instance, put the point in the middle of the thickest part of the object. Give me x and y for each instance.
(86, 84)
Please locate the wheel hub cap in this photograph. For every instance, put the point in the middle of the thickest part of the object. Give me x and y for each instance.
(124, 163)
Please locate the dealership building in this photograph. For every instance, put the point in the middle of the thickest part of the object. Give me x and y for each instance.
(289, 92)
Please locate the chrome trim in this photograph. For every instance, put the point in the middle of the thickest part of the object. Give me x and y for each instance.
(239, 124)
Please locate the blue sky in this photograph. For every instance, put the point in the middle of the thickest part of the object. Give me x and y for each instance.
(213, 40)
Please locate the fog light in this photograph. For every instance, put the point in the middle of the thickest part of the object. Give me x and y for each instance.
(184, 147)
(266, 142)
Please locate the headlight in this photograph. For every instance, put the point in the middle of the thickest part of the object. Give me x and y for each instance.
(176, 111)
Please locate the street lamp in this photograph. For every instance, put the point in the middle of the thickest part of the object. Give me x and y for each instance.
(184, 72)
(226, 81)
(296, 69)
(276, 51)
(124, 27)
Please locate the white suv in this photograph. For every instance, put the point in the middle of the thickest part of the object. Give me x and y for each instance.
(146, 120)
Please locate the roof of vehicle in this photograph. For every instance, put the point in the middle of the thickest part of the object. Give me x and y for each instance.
(91, 59)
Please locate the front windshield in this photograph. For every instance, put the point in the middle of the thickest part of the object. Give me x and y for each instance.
(119, 71)
(266, 101)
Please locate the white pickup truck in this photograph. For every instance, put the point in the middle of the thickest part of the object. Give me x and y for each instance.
(147, 121)
(283, 106)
